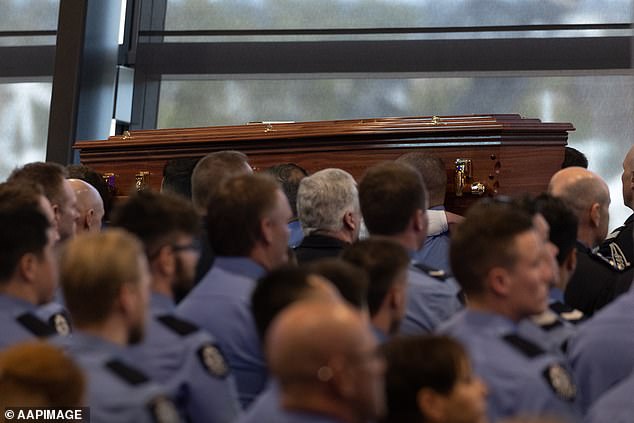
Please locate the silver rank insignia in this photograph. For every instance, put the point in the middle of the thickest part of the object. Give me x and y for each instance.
(164, 411)
(61, 325)
(213, 360)
(560, 381)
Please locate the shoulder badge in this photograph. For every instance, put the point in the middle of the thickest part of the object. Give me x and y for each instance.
(180, 326)
(34, 325)
(617, 257)
(163, 411)
(524, 346)
(560, 381)
(439, 274)
(213, 360)
(129, 374)
(60, 323)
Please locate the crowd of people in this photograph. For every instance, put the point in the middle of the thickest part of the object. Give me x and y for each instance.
(283, 296)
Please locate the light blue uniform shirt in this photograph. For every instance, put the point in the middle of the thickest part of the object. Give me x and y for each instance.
(221, 304)
(19, 322)
(521, 377)
(187, 361)
(296, 234)
(602, 352)
(430, 301)
(116, 390)
(615, 406)
(435, 250)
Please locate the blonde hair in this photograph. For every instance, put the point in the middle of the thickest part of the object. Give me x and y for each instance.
(94, 267)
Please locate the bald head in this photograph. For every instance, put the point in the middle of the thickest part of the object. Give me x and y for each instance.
(588, 197)
(627, 179)
(89, 205)
(325, 350)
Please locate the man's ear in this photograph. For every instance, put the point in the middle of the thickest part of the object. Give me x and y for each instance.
(419, 220)
(595, 214)
(88, 220)
(498, 281)
(349, 221)
(431, 405)
(27, 267)
(266, 228)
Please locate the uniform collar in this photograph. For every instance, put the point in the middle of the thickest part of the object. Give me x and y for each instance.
(84, 342)
(8, 302)
(555, 295)
(243, 266)
(491, 323)
(161, 304)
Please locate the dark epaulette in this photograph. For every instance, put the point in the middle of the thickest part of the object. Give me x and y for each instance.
(36, 326)
(523, 345)
(180, 326)
(129, 374)
(439, 274)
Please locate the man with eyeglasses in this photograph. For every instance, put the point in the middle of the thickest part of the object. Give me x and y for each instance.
(176, 352)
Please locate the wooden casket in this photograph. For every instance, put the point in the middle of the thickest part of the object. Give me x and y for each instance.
(484, 154)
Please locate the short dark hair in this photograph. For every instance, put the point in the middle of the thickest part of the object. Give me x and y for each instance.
(432, 170)
(485, 239)
(274, 292)
(350, 280)
(96, 179)
(177, 176)
(418, 362)
(382, 260)
(211, 170)
(389, 194)
(50, 176)
(563, 223)
(235, 211)
(23, 225)
(574, 157)
(156, 218)
(289, 175)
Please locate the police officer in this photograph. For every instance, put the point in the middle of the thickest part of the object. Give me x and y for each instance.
(557, 226)
(28, 268)
(618, 247)
(175, 352)
(615, 406)
(496, 255)
(105, 280)
(247, 224)
(393, 201)
(593, 283)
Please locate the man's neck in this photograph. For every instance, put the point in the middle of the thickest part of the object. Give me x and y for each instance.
(317, 403)
(19, 290)
(111, 330)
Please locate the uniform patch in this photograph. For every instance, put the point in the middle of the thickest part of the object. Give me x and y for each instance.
(560, 381)
(60, 323)
(213, 360)
(127, 373)
(547, 320)
(164, 411)
(439, 274)
(34, 325)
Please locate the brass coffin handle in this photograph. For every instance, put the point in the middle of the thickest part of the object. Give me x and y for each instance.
(463, 179)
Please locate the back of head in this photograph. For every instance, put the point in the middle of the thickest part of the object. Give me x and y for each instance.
(390, 193)
(49, 176)
(177, 176)
(211, 170)
(324, 198)
(236, 210)
(278, 289)
(579, 188)
(574, 157)
(432, 170)
(289, 175)
(484, 240)
(383, 260)
(37, 374)
(562, 222)
(23, 226)
(96, 179)
(94, 268)
(350, 280)
(156, 219)
(415, 363)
